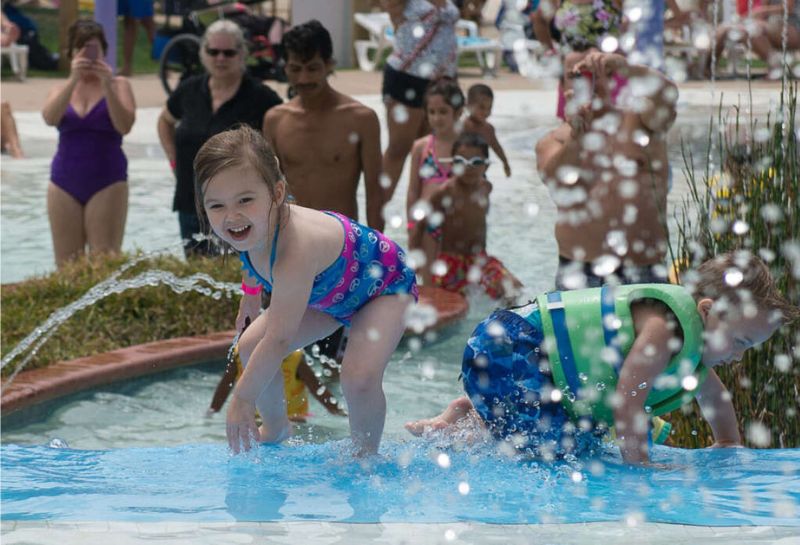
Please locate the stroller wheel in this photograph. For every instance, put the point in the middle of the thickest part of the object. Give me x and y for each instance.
(180, 59)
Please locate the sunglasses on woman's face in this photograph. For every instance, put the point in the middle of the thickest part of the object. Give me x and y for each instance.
(476, 161)
(229, 53)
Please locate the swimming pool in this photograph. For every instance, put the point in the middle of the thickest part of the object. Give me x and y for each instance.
(105, 491)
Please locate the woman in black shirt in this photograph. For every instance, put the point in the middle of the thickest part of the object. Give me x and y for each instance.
(203, 106)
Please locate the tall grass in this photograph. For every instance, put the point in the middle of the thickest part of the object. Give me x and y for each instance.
(753, 205)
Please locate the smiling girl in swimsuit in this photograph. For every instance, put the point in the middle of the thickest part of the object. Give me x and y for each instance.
(87, 199)
(323, 270)
(430, 167)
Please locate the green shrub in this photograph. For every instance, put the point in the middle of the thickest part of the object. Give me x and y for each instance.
(117, 320)
(755, 208)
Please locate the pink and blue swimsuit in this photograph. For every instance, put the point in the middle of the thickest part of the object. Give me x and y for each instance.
(369, 266)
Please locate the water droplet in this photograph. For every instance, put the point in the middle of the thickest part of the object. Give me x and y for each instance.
(400, 114)
(733, 277)
(439, 268)
(57, 442)
(576, 477)
(740, 227)
(758, 434)
(418, 31)
(463, 488)
(556, 395)
(605, 265)
(689, 383)
(352, 137)
(609, 44)
(642, 386)
(771, 213)
(568, 174)
(443, 460)
(783, 363)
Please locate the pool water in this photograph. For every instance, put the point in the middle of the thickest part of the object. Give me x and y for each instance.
(411, 482)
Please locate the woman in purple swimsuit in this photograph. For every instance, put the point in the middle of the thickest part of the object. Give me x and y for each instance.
(323, 270)
(87, 199)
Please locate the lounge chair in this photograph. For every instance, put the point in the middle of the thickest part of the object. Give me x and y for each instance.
(18, 58)
(370, 53)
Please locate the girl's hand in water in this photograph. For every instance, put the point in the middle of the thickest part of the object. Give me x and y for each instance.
(240, 425)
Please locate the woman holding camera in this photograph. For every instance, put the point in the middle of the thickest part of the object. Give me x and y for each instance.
(87, 198)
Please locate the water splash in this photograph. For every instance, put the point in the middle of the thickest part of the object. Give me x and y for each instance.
(114, 284)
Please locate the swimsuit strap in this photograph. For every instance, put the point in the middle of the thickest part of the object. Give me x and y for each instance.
(274, 249)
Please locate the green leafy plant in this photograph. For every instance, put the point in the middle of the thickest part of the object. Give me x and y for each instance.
(753, 205)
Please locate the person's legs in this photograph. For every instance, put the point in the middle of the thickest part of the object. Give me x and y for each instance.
(149, 26)
(404, 125)
(66, 224)
(128, 41)
(105, 216)
(271, 404)
(9, 139)
(375, 333)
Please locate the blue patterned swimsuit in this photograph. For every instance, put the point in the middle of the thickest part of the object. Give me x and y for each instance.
(369, 266)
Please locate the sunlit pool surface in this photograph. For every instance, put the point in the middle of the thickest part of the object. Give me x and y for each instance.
(112, 471)
(407, 483)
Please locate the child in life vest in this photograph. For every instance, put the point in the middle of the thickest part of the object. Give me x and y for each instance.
(615, 357)
(323, 270)
(457, 224)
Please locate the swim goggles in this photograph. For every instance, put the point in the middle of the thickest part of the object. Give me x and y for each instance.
(471, 162)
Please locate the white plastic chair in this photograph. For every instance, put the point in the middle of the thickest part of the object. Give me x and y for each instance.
(18, 58)
(381, 38)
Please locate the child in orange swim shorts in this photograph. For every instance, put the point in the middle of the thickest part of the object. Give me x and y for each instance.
(458, 223)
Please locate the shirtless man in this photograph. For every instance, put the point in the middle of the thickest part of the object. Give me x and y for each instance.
(606, 169)
(324, 140)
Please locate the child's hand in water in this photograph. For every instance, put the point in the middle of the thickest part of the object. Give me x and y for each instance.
(240, 425)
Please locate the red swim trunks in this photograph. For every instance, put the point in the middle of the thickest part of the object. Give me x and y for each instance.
(481, 269)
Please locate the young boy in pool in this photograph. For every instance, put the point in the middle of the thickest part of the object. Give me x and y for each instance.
(480, 99)
(462, 203)
(552, 377)
(323, 270)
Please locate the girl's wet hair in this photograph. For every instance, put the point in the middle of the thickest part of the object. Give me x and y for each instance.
(448, 89)
(81, 32)
(471, 140)
(240, 147)
(757, 285)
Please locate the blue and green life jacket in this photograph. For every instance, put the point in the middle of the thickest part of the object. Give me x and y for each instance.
(588, 333)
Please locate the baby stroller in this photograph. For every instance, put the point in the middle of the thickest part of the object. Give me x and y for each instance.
(178, 50)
